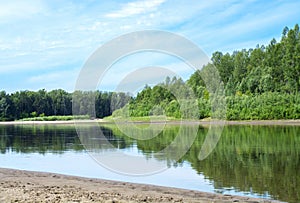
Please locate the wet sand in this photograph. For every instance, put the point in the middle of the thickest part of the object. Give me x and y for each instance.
(26, 186)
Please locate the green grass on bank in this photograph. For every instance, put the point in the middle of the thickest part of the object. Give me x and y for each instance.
(139, 119)
(57, 118)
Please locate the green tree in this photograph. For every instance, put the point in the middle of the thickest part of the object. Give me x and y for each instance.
(4, 106)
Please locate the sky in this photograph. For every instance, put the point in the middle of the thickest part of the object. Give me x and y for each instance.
(45, 43)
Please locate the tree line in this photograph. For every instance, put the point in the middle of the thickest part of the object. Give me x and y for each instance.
(25, 104)
(259, 83)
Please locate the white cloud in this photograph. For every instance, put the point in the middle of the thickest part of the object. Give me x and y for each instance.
(135, 8)
(242, 24)
(19, 9)
(46, 36)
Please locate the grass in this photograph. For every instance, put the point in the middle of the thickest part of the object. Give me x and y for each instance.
(57, 118)
(140, 119)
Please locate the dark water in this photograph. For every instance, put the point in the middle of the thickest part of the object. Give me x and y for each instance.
(259, 161)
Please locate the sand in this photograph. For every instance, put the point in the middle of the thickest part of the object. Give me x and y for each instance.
(26, 186)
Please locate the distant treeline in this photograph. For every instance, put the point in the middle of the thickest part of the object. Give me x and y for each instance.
(26, 104)
(260, 83)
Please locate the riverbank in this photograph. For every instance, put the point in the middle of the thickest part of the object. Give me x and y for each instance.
(26, 186)
(200, 122)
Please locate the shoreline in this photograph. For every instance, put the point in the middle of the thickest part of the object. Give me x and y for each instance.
(187, 122)
(24, 186)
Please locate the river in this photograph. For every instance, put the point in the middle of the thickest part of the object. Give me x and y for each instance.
(248, 160)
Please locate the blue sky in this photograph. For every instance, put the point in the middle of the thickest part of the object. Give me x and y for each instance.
(44, 44)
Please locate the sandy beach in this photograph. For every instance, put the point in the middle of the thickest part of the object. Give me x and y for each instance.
(26, 186)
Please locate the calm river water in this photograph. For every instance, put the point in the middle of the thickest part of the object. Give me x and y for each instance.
(257, 161)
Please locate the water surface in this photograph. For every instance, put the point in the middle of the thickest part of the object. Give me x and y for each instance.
(257, 161)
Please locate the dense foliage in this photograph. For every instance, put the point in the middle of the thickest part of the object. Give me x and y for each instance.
(260, 83)
(30, 104)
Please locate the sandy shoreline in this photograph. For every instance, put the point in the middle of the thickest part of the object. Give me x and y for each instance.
(205, 122)
(26, 186)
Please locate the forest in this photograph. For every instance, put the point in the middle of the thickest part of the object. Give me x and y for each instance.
(260, 83)
(31, 104)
